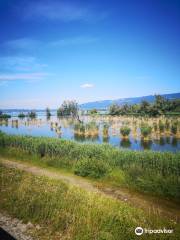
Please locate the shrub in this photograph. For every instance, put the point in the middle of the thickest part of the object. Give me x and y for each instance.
(32, 114)
(125, 131)
(91, 167)
(145, 130)
(21, 115)
(105, 130)
(155, 126)
(5, 116)
(98, 158)
(167, 125)
(79, 128)
(48, 113)
(174, 129)
(42, 149)
(93, 111)
(161, 126)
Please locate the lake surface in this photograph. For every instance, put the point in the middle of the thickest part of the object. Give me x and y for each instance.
(65, 129)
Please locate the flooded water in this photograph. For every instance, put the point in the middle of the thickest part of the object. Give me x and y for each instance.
(65, 128)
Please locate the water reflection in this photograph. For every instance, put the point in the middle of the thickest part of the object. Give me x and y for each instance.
(48, 118)
(162, 141)
(168, 140)
(125, 143)
(146, 144)
(105, 139)
(83, 138)
(14, 124)
(94, 130)
(174, 142)
(79, 138)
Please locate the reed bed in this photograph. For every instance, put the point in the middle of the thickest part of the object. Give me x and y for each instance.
(155, 172)
(95, 126)
(86, 129)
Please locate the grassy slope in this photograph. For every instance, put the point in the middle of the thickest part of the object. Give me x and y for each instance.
(72, 212)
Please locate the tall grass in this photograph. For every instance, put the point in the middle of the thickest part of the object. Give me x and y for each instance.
(155, 172)
(72, 213)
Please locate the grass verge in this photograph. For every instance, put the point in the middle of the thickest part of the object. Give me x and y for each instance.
(72, 213)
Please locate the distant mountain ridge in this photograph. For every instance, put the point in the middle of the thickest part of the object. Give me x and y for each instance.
(121, 101)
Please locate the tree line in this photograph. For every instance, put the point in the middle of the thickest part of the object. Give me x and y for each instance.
(160, 106)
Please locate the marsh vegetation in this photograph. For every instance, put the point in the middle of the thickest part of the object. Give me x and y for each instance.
(157, 133)
(147, 171)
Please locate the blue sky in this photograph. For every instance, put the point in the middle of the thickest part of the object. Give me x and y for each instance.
(51, 51)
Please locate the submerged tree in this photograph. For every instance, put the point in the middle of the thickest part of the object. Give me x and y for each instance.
(68, 108)
(125, 131)
(114, 109)
(93, 111)
(48, 113)
(32, 114)
(21, 115)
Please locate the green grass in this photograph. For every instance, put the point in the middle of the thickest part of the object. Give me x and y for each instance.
(156, 173)
(72, 212)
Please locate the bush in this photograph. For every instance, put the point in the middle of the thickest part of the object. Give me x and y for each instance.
(167, 125)
(32, 114)
(161, 126)
(21, 115)
(2, 140)
(125, 131)
(145, 131)
(92, 168)
(106, 129)
(42, 149)
(5, 116)
(174, 129)
(95, 159)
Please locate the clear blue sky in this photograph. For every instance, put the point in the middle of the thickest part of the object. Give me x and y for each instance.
(87, 50)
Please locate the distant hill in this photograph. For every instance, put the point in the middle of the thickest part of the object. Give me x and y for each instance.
(121, 101)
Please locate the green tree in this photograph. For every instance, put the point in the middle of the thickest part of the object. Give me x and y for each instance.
(68, 108)
(145, 107)
(114, 109)
(48, 113)
(93, 111)
(125, 109)
(32, 114)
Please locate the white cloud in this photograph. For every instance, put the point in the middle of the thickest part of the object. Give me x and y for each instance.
(60, 10)
(73, 41)
(27, 45)
(23, 63)
(23, 43)
(87, 85)
(55, 10)
(20, 76)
